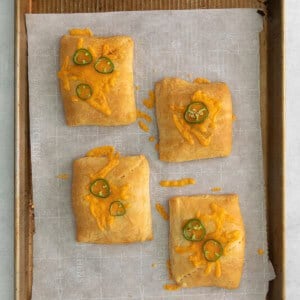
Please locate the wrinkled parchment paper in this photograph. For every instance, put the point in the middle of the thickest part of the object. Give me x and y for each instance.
(222, 45)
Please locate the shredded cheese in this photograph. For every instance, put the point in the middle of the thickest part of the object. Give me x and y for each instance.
(184, 129)
(201, 138)
(92, 50)
(215, 189)
(171, 287)
(233, 117)
(149, 102)
(80, 43)
(141, 114)
(99, 84)
(177, 183)
(143, 126)
(218, 216)
(63, 176)
(260, 251)
(208, 268)
(78, 31)
(101, 151)
(202, 132)
(162, 211)
(151, 138)
(112, 163)
(100, 209)
(218, 271)
(101, 106)
(201, 80)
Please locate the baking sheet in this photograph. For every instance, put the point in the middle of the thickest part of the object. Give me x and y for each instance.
(222, 45)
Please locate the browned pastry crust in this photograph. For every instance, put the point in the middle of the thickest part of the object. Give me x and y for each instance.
(119, 92)
(136, 224)
(172, 145)
(184, 272)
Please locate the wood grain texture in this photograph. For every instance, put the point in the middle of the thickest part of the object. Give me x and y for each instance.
(76, 6)
(275, 149)
(24, 213)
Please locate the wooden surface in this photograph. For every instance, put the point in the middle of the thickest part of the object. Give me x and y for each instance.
(272, 121)
(73, 6)
(24, 221)
(275, 147)
(6, 149)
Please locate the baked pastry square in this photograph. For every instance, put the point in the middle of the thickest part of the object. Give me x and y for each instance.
(96, 79)
(207, 241)
(194, 119)
(110, 196)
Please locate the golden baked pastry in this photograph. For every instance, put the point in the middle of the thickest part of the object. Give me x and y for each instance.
(96, 79)
(194, 119)
(207, 241)
(110, 196)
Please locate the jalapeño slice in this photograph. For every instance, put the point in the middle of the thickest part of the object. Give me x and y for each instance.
(196, 112)
(212, 250)
(194, 230)
(84, 91)
(104, 65)
(100, 188)
(82, 57)
(117, 209)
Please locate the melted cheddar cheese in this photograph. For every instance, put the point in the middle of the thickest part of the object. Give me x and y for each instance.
(216, 189)
(107, 151)
(172, 287)
(63, 176)
(201, 80)
(149, 102)
(260, 251)
(141, 114)
(100, 84)
(80, 43)
(143, 126)
(162, 211)
(99, 208)
(184, 129)
(151, 138)
(177, 183)
(203, 131)
(79, 31)
(214, 224)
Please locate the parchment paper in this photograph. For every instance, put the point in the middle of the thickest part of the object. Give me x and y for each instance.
(222, 45)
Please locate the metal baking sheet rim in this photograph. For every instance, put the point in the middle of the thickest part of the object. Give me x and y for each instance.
(24, 208)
